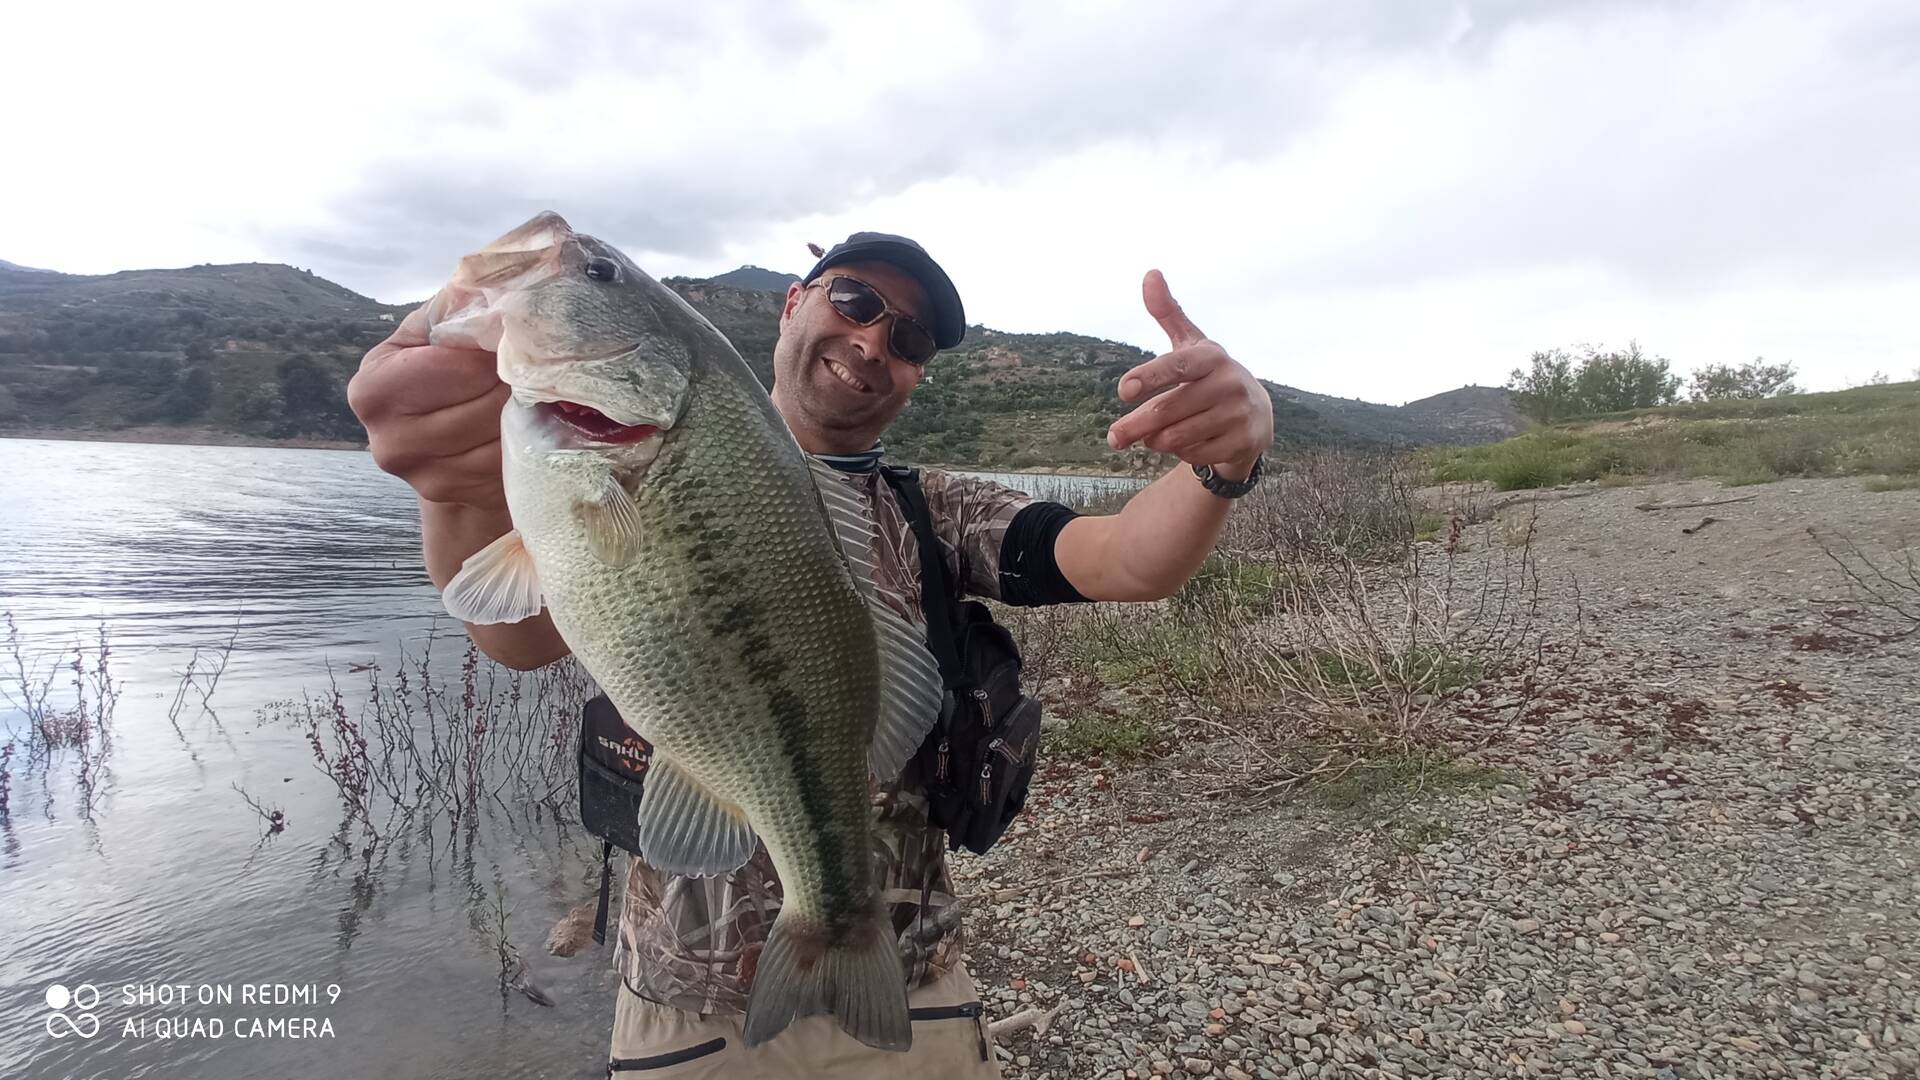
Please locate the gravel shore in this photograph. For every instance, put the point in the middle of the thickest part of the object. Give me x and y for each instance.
(1698, 856)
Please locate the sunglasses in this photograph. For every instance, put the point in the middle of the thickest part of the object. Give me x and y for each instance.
(859, 303)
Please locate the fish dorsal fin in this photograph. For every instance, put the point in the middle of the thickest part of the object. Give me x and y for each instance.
(497, 584)
(847, 513)
(683, 829)
(909, 679)
(614, 528)
(909, 691)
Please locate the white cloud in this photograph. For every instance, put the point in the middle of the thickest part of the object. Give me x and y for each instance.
(1371, 199)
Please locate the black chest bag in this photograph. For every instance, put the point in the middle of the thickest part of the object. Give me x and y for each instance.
(976, 762)
(979, 758)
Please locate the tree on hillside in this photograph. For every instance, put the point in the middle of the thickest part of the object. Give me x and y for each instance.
(1558, 385)
(1610, 382)
(1545, 392)
(1759, 379)
(312, 401)
(305, 386)
(190, 396)
(258, 407)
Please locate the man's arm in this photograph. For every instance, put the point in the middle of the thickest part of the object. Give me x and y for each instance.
(1213, 412)
(432, 416)
(450, 532)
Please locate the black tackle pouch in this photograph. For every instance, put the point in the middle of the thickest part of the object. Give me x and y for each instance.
(613, 769)
(978, 760)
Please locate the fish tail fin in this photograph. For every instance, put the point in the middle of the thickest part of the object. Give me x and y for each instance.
(855, 976)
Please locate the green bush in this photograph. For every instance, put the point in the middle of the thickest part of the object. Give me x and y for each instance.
(1894, 452)
(1237, 581)
(1106, 736)
(1526, 462)
(1874, 429)
(1793, 449)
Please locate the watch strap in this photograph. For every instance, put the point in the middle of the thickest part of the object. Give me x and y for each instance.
(1229, 489)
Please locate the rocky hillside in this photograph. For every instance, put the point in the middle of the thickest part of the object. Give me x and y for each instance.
(262, 351)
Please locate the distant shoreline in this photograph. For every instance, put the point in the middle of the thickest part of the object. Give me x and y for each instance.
(173, 436)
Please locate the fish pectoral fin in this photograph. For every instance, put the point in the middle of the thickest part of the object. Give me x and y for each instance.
(613, 523)
(497, 584)
(909, 691)
(684, 829)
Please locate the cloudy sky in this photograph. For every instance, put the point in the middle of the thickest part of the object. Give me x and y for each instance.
(1368, 198)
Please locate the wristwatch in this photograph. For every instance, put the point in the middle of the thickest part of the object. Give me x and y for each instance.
(1229, 489)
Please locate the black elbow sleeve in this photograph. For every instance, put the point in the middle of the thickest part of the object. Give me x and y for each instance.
(1029, 575)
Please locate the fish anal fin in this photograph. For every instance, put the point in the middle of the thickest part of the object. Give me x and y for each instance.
(497, 584)
(683, 829)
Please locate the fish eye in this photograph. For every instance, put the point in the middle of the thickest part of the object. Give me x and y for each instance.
(603, 270)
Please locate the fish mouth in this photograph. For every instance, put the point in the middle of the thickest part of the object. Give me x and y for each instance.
(594, 426)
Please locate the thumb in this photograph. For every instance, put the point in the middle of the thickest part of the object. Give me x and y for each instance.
(1166, 311)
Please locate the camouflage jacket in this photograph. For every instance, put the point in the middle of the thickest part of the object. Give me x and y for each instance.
(691, 943)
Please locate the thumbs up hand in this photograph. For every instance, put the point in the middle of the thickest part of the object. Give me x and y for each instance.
(1212, 411)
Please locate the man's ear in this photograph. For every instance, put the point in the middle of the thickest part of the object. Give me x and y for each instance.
(793, 300)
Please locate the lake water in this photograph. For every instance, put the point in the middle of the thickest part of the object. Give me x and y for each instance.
(130, 856)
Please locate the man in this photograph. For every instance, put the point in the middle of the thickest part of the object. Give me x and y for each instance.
(856, 336)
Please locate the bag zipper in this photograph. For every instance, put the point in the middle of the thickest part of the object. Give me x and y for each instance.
(986, 783)
(1001, 747)
(940, 760)
(986, 708)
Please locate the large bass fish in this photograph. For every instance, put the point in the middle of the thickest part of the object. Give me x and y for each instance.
(714, 580)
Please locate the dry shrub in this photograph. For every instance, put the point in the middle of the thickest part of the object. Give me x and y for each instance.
(416, 743)
(67, 696)
(1884, 600)
(1322, 634)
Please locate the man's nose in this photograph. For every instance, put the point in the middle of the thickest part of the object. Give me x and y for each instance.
(873, 341)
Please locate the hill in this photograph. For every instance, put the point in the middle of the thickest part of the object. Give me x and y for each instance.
(756, 279)
(5, 265)
(1870, 430)
(262, 351)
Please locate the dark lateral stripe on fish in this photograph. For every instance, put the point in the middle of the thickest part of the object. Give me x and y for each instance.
(722, 583)
(841, 895)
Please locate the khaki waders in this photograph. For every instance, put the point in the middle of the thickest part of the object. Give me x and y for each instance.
(656, 1042)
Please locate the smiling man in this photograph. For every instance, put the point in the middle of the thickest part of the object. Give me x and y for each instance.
(857, 334)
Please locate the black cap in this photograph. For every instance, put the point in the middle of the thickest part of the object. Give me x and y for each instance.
(949, 319)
